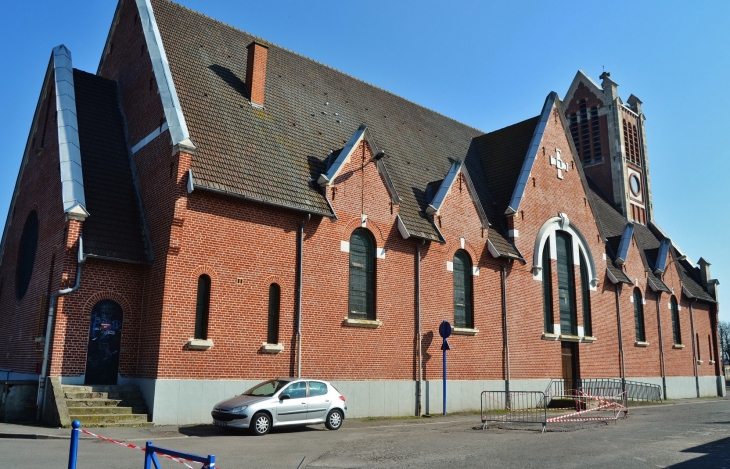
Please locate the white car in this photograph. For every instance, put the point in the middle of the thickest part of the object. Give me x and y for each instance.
(282, 401)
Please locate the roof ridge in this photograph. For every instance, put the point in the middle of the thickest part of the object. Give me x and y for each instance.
(269, 43)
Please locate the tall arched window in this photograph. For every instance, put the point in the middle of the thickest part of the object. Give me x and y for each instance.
(274, 307)
(586, 294)
(675, 320)
(202, 307)
(547, 288)
(639, 316)
(362, 275)
(26, 254)
(463, 287)
(566, 283)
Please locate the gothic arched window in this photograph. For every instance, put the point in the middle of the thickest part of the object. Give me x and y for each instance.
(202, 307)
(362, 275)
(463, 287)
(675, 320)
(586, 295)
(639, 316)
(274, 308)
(547, 288)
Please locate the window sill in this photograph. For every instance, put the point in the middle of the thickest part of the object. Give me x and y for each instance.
(548, 336)
(200, 344)
(712, 362)
(272, 348)
(678, 346)
(464, 331)
(589, 339)
(639, 343)
(699, 362)
(367, 323)
(570, 338)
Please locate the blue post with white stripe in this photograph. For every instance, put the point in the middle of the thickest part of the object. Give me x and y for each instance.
(73, 451)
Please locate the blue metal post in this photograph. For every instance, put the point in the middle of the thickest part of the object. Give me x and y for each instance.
(444, 380)
(211, 462)
(73, 451)
(148, 453)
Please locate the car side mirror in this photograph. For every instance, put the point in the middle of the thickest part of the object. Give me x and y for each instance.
(284, 396)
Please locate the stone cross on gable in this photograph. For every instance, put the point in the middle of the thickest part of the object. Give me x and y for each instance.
(556, 161)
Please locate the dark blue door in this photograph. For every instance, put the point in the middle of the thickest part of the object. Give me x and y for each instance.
(105, 338)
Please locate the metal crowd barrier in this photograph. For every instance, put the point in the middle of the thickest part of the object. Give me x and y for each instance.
(513, 407)
(634, 391)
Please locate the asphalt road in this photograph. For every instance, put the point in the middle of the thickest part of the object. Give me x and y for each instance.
(686, 434)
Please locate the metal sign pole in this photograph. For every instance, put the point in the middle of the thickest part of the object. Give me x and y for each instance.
(445, 330)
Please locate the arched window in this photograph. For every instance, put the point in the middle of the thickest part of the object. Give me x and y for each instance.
(362, 275)
(26, 254)
(675, 320)
(547, 288)
(463, 305)
(639, 316)
(586, 294)
(202, 307)
(566, 283)
(274, 306)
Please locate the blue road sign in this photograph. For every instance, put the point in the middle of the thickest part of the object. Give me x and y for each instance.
(445, 329)
(445, 346)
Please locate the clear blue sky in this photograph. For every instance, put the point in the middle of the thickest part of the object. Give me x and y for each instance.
(487, 64)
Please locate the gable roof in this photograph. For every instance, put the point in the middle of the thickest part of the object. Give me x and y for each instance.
(115, 229)
(276, 154)
(457, 167)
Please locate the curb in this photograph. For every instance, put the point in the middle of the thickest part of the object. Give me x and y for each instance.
(33, 436)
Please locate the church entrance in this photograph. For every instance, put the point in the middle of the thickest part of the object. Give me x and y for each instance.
(570, 364)
(105, 338)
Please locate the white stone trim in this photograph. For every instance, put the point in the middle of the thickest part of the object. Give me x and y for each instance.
(345, 246)
(380, 253)
(465, 331)
(475, 271)
(272, 348)
(69, 149)
(366, 323)
(641, 343)
(548, 336)
(153, 135)
(547, 232)
(449, 266)
(200, 344)
(163, 76)
(402, 228)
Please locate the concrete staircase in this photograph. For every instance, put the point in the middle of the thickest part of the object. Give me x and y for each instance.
(106, 406)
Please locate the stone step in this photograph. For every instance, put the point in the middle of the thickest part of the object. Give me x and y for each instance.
(136, 394)
(105, 403)
(77, 412)
(99, 388)
(119, 424)
(110, 419)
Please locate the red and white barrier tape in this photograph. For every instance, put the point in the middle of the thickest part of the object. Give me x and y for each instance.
(129, 445)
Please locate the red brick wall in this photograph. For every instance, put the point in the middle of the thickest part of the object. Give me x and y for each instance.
(22, 320)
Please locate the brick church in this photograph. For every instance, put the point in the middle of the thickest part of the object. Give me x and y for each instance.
(209, 210)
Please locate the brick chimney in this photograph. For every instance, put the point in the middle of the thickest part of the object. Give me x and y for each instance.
(256, 72)
(704, 271)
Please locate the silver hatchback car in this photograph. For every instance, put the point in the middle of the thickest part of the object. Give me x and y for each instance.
(282, 401)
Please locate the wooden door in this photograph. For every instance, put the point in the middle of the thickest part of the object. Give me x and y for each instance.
(570, 365)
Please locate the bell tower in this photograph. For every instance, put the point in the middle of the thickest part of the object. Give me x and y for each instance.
(610, 139)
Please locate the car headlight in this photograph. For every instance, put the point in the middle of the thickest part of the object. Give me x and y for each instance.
(238, 410)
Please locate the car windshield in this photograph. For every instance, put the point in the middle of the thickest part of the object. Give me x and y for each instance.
(267, 388)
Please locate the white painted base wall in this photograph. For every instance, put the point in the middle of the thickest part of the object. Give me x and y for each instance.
(186, 402)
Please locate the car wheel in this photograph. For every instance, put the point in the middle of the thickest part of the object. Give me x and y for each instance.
(260, 424)
(334, 419)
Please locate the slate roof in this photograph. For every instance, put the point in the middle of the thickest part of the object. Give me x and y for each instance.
(275, 155)
(691, 279)
(114, 228)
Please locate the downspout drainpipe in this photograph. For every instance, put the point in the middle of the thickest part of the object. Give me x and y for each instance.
(694, 346)
(300, 257)
(620, 339)
(506, 337)
(41, 398)
(661, 344)
(419, 388)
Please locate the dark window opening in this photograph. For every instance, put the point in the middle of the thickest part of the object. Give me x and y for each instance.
(362, 275)
(547, 288)
(697, 339)
(586, 133)
(586, 294)
(639, 316)
(202, 307)
(274, 308)
(463, 290)
(566, 283)
(675, 321)
(26, 254)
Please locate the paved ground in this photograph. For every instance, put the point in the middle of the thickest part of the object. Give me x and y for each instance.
(683, 434)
